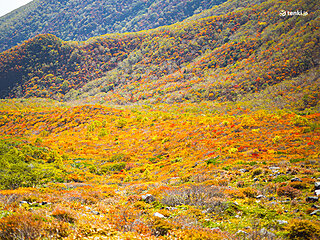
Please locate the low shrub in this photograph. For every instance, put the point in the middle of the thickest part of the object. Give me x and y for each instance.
(160, 226)
(195, 195)
(256, 172)
(288, 191)
(298, 185)
(249, 192)
(64, 214)
(303, 229)
(22, 225)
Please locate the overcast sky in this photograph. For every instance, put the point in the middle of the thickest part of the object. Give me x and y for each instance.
(7, 6)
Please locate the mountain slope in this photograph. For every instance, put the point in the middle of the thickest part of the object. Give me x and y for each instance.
(80, 20)
(213, 58)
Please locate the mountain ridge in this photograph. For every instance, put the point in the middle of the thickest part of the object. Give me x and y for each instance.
(217, 57)
(80, 20)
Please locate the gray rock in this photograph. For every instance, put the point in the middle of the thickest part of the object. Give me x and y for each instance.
(272, 198)
(264, 232)
(317, 192)
(25, 202)
(148, 198)
(315, 206)
(312, 199)
(256, 179)
(317, 185)
(95, 212)
(243, 170)
(316, 212)
(159, 215)
(171, 208)
(296, 179)
(282, 221)
(241, 232)
(259, 196)
(274, 169)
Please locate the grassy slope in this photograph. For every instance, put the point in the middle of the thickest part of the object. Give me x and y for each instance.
(113, 156)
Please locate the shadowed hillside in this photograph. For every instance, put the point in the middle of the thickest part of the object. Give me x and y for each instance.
(80, 20)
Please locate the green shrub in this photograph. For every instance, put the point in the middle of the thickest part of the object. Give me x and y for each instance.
(256, 172)
(300, 121)
(24, 165)
(281, 178)
(113, 167)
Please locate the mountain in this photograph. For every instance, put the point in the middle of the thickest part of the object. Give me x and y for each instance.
(80, 20)
(215, 57)
(205, 129)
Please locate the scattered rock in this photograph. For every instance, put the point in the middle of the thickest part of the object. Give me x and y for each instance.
(296, 179)
(312, 199)
(274, 169)
(315, 206)
(273, 203)
(171, 208)
(282, 221)
(241, 232)
(265, 233)
(259, 196)
(148, 198)
(95, 212)
(316, 212)
(317, 185)
(159, 215)
(235, 203)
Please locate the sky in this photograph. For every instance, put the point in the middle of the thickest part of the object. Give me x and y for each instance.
(7, 6)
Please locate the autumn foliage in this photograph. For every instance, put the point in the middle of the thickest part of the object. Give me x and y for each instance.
(206, 129)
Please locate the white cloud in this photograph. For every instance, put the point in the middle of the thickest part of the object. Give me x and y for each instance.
(7, 6)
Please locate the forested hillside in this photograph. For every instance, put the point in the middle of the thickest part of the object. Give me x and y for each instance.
(217, 57)
(80, 20)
